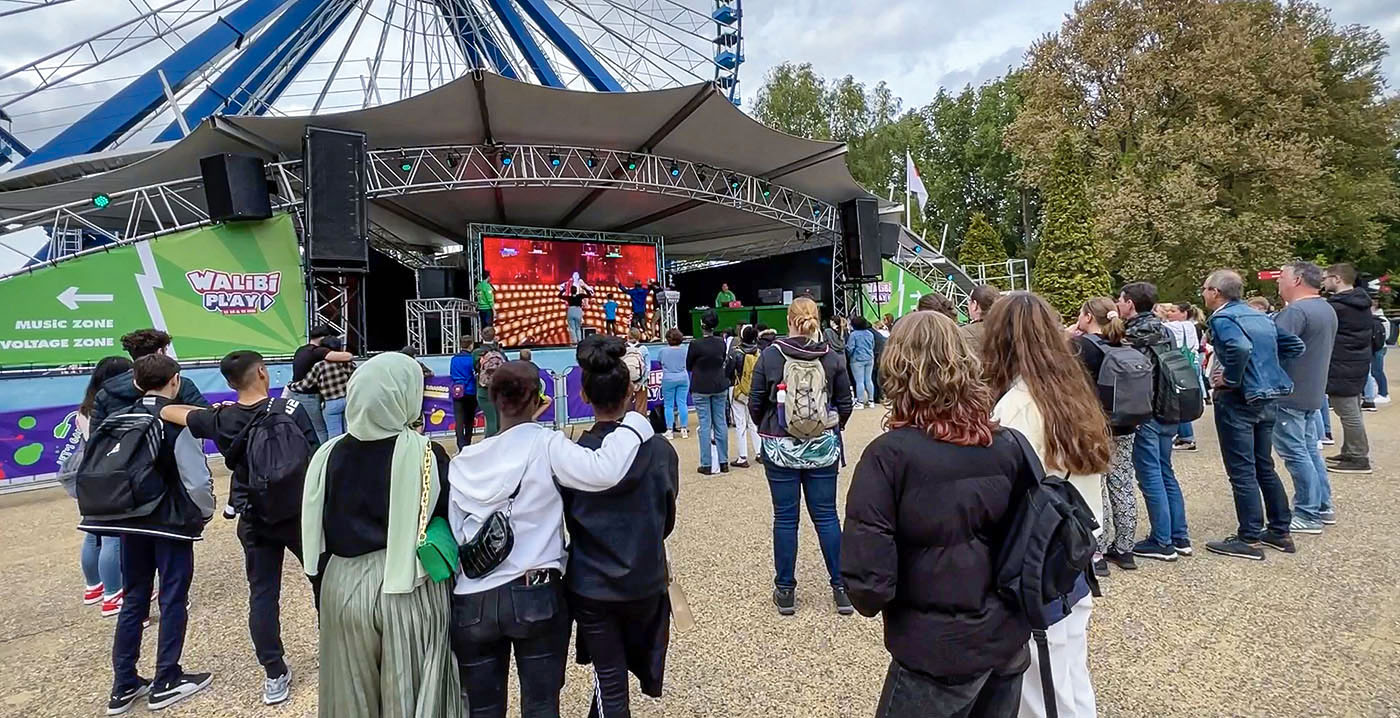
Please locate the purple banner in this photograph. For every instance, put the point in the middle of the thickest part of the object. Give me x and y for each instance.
(580, 411)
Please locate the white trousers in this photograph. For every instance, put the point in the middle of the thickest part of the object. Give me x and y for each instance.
(1069, 668)
(744, 430)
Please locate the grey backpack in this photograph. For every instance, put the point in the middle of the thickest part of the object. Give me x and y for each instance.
(1127, 373)
(806, 411)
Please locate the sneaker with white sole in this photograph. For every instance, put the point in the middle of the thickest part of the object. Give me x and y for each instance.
(1382, 400)
(668, 436)
(1153, 550)
(92, 594)
(1301, 525)
(1328, 440)
(112, 605)
(277, 690)
(1328, 517)
(122, 702)
(1235, 547)
(1350, 466)
(181, 688)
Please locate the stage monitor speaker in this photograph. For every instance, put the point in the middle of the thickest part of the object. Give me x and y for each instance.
(889, 239)
(860, 231)
(337, 227)
(235, 187)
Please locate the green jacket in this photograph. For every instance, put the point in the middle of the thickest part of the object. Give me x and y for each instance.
(723, 299)
(485, 295)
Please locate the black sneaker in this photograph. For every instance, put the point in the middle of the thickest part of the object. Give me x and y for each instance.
(724, 468)
(1350, 466)
(181, 688)
(1334, 459)
(703, 471)
(741, 464)
(1183, 445)
(1124, 561)
(786, 601)
(843, 602)
(1183, 547)
(122, 702)
(1101, 568)
(1369, 406)
(1151, 549)
(1281, 541)
(1327, 440)
(1235, 547)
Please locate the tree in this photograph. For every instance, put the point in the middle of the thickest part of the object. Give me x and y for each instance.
(793, 99)
(1069, 267)
(982, 245)
(1216, 133)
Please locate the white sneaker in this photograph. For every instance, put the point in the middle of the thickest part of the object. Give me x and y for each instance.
(1382, 400)
(277, 690)
(685, 433)
(668, 436)
(870, 405)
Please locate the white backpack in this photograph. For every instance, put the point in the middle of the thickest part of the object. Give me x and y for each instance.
(807, 402)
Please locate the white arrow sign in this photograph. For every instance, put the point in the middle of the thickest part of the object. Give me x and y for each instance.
(70, 298)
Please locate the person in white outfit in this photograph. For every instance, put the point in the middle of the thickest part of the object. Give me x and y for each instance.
(742, 360)
(1045, 394)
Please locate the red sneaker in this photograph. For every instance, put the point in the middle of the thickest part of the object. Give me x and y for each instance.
(112, 605)
(92, 594)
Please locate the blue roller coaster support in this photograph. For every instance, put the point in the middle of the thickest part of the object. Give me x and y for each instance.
(242, 79)
(520, 35)
(104, 124)
(469, 28)
(569, 43)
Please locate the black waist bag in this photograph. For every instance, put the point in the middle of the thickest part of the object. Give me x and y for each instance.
(482, 553)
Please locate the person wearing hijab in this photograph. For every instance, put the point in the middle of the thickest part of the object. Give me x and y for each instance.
(384, 641)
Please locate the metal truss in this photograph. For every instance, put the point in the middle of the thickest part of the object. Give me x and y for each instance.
(156, 210)
(337, 298)
(448, 313)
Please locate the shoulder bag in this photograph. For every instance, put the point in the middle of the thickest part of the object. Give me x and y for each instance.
(437, 548)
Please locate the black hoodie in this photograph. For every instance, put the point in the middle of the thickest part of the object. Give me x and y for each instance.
(768, 373)
(1351, 353)
(120, 393)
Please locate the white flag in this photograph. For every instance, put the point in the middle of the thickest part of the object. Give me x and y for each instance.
(913, 183)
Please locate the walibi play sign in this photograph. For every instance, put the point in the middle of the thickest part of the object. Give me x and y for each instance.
(214, 289)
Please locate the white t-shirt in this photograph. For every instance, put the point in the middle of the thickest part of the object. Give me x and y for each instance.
(1184, 334)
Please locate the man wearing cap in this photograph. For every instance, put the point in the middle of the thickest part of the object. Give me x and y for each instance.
(306, 357)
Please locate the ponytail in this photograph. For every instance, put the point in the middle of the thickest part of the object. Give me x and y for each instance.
(804, 319)
(1104, 312)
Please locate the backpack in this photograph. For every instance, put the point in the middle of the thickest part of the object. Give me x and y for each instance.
(632, 359)
(117, 477)
(68, 468)
(1128, 375)
(806, 404)
(274, 455)
(1177, 396)
(744, 385)
(1049, 546)
(491, 360)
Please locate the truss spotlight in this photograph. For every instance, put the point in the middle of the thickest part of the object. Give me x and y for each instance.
(555, 160)
(675, 170)
(453, 159)
(406, 165)
(631, 163)
(505, 159)
(702, 175)
(591, 160)
(767, 190)
(101, 200)
(734, 183)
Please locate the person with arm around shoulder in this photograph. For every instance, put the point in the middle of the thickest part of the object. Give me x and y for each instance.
(927, 514)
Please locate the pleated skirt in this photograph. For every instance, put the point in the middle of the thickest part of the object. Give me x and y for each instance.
(384, 655)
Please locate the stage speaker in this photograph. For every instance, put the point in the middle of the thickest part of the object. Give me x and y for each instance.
(889, 239)
(337, 227)
(860, 231)
(235, 187)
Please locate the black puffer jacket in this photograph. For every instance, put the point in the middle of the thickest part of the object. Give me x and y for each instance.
(768, 373)
(119, 393)
(925, 521)
(1351, 354)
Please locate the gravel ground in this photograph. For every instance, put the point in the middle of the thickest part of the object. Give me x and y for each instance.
(1313, 634)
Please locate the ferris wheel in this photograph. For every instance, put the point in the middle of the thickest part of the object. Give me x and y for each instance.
(161, 66)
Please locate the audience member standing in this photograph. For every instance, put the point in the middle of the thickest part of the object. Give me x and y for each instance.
(329, 380)
(100, 558)
(935, 302)
(384, 643)
(307, 356)
(1248, 382)
(860, 347)
(120, 392)
(1152, 441)
(675, 385)
(742, 361)
(463, 371)
(486, 358)
(978, 304)
(1377, 387)
(1351, 363)
(926, 516)
(802, 465)
(1188, 340)
(643, 357)
(705, 361)
(1297, 433)
(1045, 395)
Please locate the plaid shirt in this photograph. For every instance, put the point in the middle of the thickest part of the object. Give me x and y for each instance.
(327, 378)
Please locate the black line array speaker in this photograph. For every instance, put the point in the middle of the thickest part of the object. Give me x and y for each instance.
(889, 239)
(337, 228)
(860, 231)
(235, 187)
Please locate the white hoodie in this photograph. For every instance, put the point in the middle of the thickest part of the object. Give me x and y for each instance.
(484, 475)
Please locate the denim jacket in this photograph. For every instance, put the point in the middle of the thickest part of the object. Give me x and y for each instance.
(1249, 348)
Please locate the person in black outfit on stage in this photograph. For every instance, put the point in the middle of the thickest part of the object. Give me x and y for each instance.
(616, 574)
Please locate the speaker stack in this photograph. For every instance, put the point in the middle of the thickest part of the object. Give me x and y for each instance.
(235, 187)
(337, 227)
(860, 233)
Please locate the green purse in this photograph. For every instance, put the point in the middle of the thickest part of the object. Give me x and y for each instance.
(437, 547)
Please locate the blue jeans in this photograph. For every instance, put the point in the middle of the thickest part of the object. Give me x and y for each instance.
(311, 404)
(335, 417)
(102, 562)
(787, 487)
(710, 410)
(1325, 416)
(673, 398)
(142, 558)
(1246, 433)
(1185, 432)
(865, 383)
(575, 319)
(1152, 461)
(1378, 372)
(1296, 434)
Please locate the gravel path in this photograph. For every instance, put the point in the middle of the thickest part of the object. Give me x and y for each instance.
(1314, 634)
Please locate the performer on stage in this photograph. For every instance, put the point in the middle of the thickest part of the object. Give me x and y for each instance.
(573, 291)
(725, 296)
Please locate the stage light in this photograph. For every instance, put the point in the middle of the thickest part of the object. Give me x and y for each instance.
(734, 182)
(591, 161)
(675, 170)
(101, 200)
(505, 159)
(555, 160)
(631, 163)
(702, 175)
(453, 159)
(767, 191)
(405, 165)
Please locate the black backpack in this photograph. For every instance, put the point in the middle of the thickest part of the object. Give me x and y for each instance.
(1177, 396)
(274, 454)
(117, 477)
(1127, 374)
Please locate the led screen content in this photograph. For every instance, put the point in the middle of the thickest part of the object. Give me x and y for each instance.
(530, 276)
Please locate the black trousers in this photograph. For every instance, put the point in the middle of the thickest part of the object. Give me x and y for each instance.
(142, 557)
(464, 419)
(618, 636)
(534, 621)
(264, 545)
(909, 694)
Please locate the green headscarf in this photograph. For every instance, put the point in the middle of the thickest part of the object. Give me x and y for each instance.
(384, 398)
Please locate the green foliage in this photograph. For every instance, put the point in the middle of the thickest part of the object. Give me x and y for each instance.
(1069, 267)
(982, 245)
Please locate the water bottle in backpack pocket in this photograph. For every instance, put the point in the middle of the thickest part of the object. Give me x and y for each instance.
(804, 406)
(117, 477)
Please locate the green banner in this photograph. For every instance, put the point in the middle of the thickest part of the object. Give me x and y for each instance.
(896, 294)
(213, 289)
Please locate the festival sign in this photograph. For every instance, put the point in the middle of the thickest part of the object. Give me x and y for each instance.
(214, 289)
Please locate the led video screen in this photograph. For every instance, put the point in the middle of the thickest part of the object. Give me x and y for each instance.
(531, 275)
